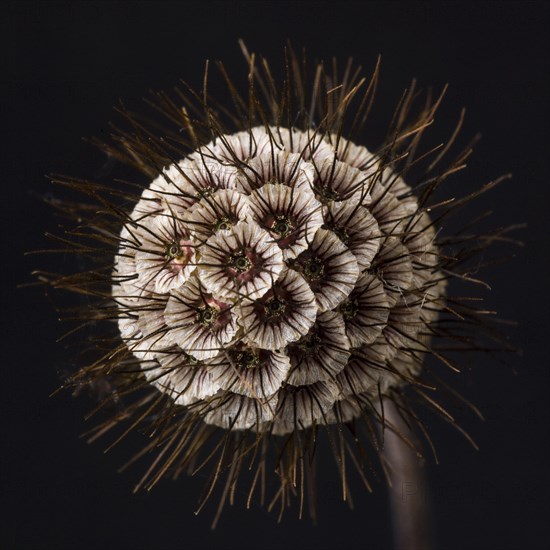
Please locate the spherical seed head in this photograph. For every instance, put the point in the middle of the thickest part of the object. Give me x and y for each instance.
(305, 267)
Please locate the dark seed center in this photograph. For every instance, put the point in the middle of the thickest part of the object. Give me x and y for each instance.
(313, 269)
(309, 344)
(240, 262)
(341, 232)
(274, 307)
(191, 360)
(282, 226)
(207, 315)
(289, 388)
(329, 194)
(172, 250)
(248, 359)
(223, 224)
(349, 309)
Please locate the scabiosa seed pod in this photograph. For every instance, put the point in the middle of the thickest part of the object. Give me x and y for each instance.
(273, 279)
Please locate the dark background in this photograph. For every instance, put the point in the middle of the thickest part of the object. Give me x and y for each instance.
(64, 65)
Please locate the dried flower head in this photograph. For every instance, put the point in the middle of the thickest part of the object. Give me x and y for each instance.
(273, 279)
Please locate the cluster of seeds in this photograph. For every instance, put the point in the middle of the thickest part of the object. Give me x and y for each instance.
(277, 279)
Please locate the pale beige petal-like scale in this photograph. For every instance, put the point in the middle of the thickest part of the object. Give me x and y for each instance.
(216, 214)
(432, 298)
(188, 331)
(237, 148)
(357, 156)
(250, 371)
(322, 353)
(276, 167)
(300, 407)
(124, 267)
(345, 410)
(310, 145)
(157, 272)
(393, 266)
(127, 314)
(232, 411)
(366, 311)
(292, 320)
(367, 370)
(185, 378)
(330, 269)
(338, 181)
(420, 241)
(391, 214)
(273, 204)
(356, 227)
(406, 364)
(183, 185)
(398, 187)
(404, 324)
(148, 205)
(246, 238)
(155, 335)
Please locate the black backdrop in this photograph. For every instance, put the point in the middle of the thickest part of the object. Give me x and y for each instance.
(64, 65)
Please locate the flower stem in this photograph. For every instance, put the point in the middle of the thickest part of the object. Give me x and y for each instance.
(408, 491)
